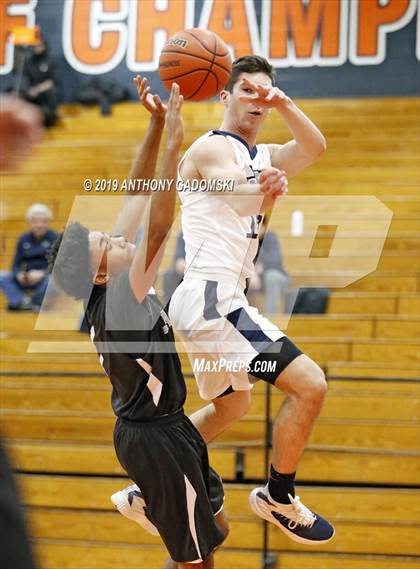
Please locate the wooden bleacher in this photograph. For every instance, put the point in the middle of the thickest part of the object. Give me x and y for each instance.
(67, 509)
(361, 465)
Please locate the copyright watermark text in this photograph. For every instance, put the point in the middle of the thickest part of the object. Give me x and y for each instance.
(113, 185)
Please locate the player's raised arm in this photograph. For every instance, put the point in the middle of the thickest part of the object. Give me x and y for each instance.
(308, 142)
(144, 163)
(214, 158)
(148, 257)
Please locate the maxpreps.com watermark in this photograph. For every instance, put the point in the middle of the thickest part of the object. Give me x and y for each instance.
(201, 365)
(114, 185)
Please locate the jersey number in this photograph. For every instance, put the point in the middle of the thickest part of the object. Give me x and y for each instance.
(255, 226)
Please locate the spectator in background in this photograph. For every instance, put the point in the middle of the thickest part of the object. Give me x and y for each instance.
(173, 276)
(29, 271)
(39, 82)
(269, 276)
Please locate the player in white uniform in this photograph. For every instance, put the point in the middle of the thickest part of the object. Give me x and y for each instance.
(221, 244)
(227, 340)
(209, 308)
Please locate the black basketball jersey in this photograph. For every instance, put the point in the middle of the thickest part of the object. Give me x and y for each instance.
(135, 344)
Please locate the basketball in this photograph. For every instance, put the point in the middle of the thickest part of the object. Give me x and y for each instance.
(198, 60)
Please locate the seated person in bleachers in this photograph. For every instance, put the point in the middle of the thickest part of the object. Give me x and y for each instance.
(269, 276)
(26, 284)
(173, 276)
(38, 82)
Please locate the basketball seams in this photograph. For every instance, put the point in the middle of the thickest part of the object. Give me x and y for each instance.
(213, 74)
(204, 45)
(183, 58)
(187, 54)
(208, 73)
(204, 69)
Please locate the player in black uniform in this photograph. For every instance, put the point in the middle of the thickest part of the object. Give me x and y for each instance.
(155, 442)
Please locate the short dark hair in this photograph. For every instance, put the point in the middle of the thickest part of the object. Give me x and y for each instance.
(71, 270)
(250, 64)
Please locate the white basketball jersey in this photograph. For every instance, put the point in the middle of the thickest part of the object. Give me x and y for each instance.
(219, 243)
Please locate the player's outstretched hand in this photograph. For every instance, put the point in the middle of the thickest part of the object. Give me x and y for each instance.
(174, 121)
(273, 182)
(267, 97)
(151, 103)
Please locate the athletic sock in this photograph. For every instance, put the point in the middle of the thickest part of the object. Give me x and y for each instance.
(280, 485)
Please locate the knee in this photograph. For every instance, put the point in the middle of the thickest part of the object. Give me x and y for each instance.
(8, 278)
(234, 406)
(244, 405)
(315, 385)
(307, 382)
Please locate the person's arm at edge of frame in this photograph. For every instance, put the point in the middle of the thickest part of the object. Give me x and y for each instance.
(144, 163)
(149, 254)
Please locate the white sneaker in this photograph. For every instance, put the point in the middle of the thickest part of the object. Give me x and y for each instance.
(295, 520)
(130, 503)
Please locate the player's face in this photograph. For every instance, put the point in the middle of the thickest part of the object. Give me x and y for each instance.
(110, 254)
(247, 113)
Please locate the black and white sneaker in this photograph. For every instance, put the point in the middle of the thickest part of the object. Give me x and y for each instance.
(130, 503)
(295, 520)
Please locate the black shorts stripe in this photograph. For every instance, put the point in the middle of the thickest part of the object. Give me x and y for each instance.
(241, 320)
(210, 301)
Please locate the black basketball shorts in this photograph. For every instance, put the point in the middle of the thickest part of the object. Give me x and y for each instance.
(167, 459)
